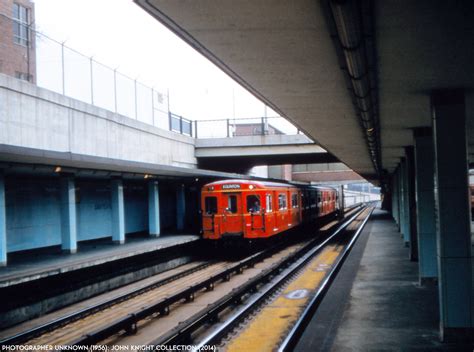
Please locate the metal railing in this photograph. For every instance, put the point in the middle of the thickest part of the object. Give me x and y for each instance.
(257, 126)
(181, 125)
(53, 65)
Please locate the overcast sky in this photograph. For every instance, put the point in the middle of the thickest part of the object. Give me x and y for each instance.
(120, 34)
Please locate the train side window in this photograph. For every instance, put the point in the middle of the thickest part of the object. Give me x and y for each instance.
(211, 205)
(294, 200)
(232, 204)
(269, 203)
(253, 204)
(281, 201)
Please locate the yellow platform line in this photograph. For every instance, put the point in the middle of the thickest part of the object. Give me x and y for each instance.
(270, 326)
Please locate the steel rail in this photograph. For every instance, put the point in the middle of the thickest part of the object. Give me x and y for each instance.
(295, 333)
(288, 266)
(67, 319)
(129, 322)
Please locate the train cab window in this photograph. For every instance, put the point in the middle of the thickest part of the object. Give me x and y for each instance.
(281, 201)
(232, 204)
(294, 200)
(269, 203)
(211, 205)
(253, 204)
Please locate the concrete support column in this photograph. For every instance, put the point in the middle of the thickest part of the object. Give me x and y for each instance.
(452, 215)
(425, 207)
(68, 215)
(3, 223)
(395, 197)
(153, 209)
(404, 202)
(411, 203)
(180, 207)
(118, 212)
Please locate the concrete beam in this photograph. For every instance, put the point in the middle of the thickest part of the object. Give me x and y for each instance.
(53, 122)
(347, 176)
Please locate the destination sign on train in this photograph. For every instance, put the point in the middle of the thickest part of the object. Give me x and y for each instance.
(231, 186)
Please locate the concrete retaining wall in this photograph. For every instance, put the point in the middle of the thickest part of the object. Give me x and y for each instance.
(38, 118)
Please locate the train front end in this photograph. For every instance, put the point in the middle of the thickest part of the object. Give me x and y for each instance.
(231, 210)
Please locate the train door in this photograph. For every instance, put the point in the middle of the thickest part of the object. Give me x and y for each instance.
(269, 215)
(282, 220)
(295, 209)
(209, 225)
(256, 214)
(232, 219)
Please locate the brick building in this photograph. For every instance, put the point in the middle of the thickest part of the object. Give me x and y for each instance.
(17, 40)
(254, 129)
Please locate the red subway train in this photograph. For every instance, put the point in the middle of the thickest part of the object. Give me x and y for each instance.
(250, 210)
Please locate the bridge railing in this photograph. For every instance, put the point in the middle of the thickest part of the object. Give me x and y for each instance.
(257, 126)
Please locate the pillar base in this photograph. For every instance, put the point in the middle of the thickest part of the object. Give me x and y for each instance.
(457, 334)
(118, 241)
(428, 281)
(69, 251)
(154, 235)
(3, 264)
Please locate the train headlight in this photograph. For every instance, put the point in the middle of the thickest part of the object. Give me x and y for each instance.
(251, 187)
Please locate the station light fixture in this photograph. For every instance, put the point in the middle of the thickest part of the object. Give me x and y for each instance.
(58, 169)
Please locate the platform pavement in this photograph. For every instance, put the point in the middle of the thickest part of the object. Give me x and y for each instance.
(376, 303)
(32, 266)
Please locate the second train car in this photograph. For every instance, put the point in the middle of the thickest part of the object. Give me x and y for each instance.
(250, 210)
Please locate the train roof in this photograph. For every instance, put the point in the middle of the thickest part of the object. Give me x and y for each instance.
(264, 184)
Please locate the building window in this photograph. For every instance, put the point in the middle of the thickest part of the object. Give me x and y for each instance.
(20, 25)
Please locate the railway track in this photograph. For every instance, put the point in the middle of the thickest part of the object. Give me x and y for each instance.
(123, 315)
(265, 284)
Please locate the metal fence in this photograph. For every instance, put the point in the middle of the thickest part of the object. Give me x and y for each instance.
(59, 68)
(55, 66)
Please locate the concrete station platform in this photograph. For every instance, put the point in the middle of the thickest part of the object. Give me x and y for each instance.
(34, 266)
(376, 302)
